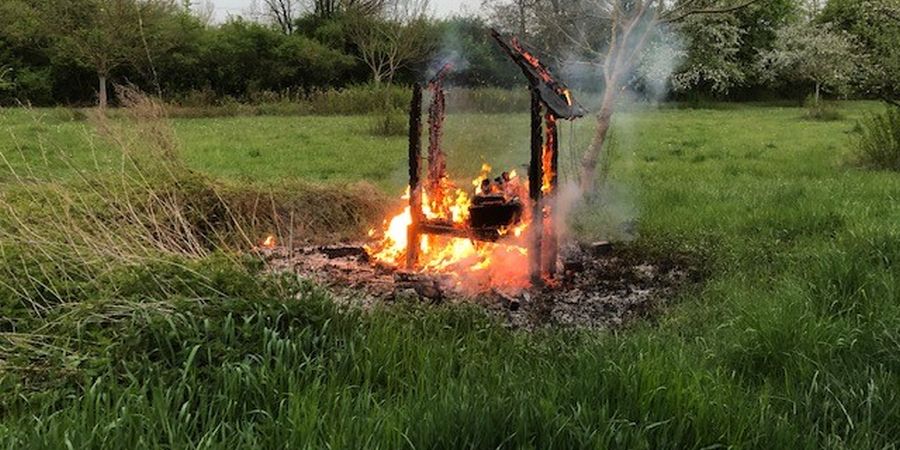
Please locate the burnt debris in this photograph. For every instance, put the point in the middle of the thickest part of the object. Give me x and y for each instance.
(596, 288)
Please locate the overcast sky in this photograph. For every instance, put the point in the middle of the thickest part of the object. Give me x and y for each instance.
(442, 8)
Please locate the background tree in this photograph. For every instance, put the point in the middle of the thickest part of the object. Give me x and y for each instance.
(104, 34)
(513, 16)
(758, 24)
(368, 7)
(876, 25)
(283, 13)
(390, 41)
(812, 8)
(330, 8)
(5, 84)
(24, 51)
(712, 46)
(485, 62)
(829, 59)
(629, 27)
(203, 10)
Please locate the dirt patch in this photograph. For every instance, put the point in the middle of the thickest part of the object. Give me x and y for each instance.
(598, 286)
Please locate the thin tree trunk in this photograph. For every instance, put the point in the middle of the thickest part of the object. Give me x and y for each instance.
(817, 95)
(522, 12)
(594, 152)
(102, 94)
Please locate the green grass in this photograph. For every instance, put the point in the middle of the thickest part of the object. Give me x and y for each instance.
(792, 341)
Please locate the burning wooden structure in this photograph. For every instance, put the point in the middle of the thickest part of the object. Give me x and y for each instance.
(496, 207)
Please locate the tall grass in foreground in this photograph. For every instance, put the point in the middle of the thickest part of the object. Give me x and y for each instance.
(879, 139)
(143, 204)
(92, 250)
(149, 209)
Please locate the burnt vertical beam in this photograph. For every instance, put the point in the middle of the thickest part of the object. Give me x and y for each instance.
(415, 181)
(535, 180)
(552, 233)
(437, 161)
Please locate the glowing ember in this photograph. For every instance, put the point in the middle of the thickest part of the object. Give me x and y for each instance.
(269, 242)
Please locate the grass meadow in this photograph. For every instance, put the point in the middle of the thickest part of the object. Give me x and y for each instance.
(125, 324)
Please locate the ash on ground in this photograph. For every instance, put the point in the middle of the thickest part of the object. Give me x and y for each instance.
(597, 287)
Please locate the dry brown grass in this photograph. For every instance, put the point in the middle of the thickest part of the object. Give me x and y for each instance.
(150, 209)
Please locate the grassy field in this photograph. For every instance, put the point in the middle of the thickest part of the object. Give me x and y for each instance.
(792, 341)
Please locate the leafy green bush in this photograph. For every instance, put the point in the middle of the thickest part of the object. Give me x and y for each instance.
(878, 144)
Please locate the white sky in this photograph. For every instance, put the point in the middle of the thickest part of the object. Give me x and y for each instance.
(441, 8)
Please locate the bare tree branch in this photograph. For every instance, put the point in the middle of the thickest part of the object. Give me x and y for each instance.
(631, 26)
(387, 44)
(282, 12)
(681, 13)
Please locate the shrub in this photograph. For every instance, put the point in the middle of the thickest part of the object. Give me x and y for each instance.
(878, 144)
(354, 100)
(488, 100)
(389, 122)
(821, 110)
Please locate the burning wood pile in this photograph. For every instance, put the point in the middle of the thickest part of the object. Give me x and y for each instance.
(503, 234)
(494, 242)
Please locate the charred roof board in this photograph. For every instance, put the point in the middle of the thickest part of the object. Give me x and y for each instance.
(553, 93)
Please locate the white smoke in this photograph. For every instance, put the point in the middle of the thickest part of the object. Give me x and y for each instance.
(611, 212)
(660, 60)
(450, 52)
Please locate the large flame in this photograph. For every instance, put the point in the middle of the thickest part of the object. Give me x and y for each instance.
(547, 155)
(474, 265)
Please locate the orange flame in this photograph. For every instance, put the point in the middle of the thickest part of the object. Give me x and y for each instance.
(547, 156)
(474, 265)
(542, 71)
(269, 242)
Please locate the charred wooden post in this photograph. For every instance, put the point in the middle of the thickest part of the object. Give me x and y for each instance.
(437, 161)
(415, 188)
(555, 97)
(552, 232)
(535, 180)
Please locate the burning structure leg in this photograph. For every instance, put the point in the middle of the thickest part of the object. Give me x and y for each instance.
(437, 162)
(415, 189)
(535, 182)
(551, 175)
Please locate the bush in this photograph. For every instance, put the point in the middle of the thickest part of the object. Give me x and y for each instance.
(354, 100)
(878, 143)
(362, 99)
(821, 110)
(389, 122)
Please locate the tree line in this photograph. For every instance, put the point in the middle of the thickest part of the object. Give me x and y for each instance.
(69, 51)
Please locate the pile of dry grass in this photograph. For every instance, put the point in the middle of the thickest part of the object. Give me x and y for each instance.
(152, 209)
